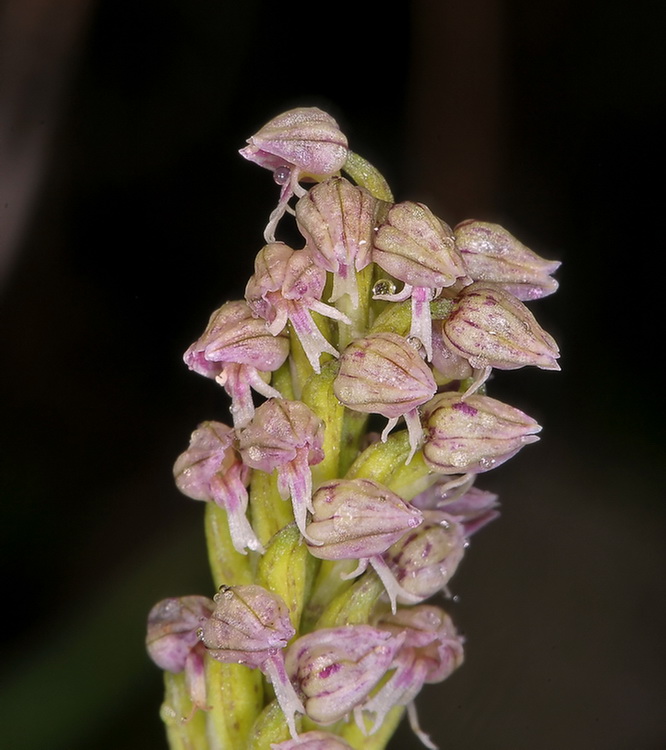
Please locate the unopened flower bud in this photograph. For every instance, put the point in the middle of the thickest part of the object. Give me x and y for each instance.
(336, 668)
(474, 434)
(413, 245)
(432, 650)
(211, 470)
(337, 219)
(285, 287)
(300, 143)
(247, 624)
(250, 625)
(287, 436)
(424, 560)
(173, 641)
(491, 328)
(490, 253)
(383, 374)
(418, 248)
(305, 138)
(359, 519)
(471, 506)
(445, 361)
(313, 741)
(238, 351)
(173, 626)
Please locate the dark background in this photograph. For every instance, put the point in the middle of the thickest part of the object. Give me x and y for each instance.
(128, 216)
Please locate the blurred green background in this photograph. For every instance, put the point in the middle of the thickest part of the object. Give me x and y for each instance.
(128, 216)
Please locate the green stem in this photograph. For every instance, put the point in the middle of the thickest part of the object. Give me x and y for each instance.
(367, 176)
(185, 728)
(355, 605)
(228, 567)
(270, 513)
(235, 696)
(288, 569)
(377, 741)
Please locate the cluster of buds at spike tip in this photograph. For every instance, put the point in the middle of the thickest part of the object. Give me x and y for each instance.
(326, 538)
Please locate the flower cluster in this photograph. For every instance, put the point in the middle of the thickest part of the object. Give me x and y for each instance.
(328, 527)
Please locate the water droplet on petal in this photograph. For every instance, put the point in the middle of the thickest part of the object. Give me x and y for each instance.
(281, 175)
(416, 343)
(383, 286)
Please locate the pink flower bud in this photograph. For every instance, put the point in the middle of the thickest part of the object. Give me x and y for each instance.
(173, 641)
(306, 138)
(425, 559)
(211, 470)
(472, 507)
(337, 219)
(238, 351)
(413, 245)
(336, 668)
(474, 434)
(445, 361)
(359, 519)
(383, 374)
(490, 253)
(418, 248)
(297, 144)
(247, 625)
(285, 287)
(432, 650)
(250, 625)
(287, 436)
(313, 741)
(173, 626)
(491, 328)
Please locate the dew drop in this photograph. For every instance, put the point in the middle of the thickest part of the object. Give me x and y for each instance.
(281, 175)
(383, 286)
(416, 343)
